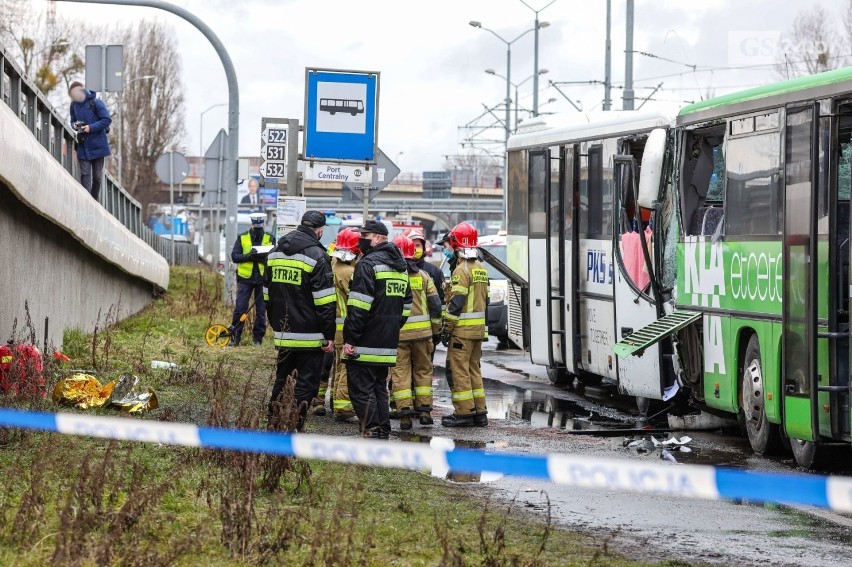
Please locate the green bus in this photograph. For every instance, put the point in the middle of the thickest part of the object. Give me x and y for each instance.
(752, 242)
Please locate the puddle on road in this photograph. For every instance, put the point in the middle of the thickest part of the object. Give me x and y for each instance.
(443, 472)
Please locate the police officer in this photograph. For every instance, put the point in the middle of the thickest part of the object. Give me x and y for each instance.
(413, 370)
(345, 256)
(378, 306)
(464, 324)
(301, 309)
(251, 266)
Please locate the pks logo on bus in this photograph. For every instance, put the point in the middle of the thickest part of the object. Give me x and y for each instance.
(598, 268)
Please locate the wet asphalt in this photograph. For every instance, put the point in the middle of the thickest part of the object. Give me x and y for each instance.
(528, 414)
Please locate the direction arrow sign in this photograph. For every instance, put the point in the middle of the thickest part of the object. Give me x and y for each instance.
(385, 171)
(273, 169)
(274, 152)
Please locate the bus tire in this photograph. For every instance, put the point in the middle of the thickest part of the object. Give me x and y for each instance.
(763, 436)
(559, 376)
(805, 453)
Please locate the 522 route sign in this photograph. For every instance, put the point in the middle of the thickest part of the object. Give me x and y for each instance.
(273, 151)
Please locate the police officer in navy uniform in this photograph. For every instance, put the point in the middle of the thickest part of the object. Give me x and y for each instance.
(251, 269)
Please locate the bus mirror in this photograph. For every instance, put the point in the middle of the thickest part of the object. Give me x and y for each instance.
(652, 168)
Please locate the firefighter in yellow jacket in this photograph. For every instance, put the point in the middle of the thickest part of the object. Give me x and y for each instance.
(413, 371)
(345, 256)
(464, 323)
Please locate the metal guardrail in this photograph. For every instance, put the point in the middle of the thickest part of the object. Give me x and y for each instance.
(56, 136)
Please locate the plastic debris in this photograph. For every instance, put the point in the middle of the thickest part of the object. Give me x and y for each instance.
(85, 391)
(82, 390)
(126, 397)
(685, 449)
(163, 365)
(666, 456)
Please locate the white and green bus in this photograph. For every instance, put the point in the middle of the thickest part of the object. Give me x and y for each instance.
(747, 198)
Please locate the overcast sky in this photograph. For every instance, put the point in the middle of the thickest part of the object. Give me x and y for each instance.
(432, 62)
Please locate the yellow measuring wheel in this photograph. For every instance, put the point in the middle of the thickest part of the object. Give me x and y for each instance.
(218, 335)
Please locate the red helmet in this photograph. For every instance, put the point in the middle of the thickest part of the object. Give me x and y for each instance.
(415, 234)
(405, 245)
(463, 236)
(347, 239)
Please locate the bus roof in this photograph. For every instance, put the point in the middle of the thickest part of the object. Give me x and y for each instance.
(774, 94)
(580, 126)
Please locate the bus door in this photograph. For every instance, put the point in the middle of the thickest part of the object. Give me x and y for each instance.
(635, 306)
(799, 287)
(546, 270)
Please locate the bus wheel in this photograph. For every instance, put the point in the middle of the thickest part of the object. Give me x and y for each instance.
(559, 376)
(763, 436)
(805, 453)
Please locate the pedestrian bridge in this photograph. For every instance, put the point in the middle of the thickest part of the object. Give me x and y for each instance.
(68, 261)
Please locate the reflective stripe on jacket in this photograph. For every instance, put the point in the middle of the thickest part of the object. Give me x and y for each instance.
(425, 319)
(468, 300)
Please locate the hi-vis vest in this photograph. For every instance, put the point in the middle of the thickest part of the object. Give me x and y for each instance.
(465, 316)
(244, 269)
(419, 324)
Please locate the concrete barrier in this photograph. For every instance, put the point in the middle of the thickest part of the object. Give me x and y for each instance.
(60, 251)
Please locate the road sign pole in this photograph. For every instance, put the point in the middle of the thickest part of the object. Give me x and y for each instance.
(172, 202)
(366, 197)
(294, 187)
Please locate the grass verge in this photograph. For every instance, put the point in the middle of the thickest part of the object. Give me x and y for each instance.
(78, 501)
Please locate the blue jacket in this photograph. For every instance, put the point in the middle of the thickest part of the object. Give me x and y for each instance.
(95, 144)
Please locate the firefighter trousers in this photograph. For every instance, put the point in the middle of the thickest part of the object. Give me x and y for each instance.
(340, 388)
(412, 376)
(368, 390)
(306, 366)
(327, 365)
(463, 357)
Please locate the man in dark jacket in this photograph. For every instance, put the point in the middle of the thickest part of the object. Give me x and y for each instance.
(91, 120)
(378, 306)
(249, 256)
(301, 306)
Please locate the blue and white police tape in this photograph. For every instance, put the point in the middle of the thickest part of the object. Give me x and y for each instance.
(692, 481)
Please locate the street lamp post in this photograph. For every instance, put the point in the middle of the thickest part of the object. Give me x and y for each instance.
(121, 126)
(477, 24)
(538, 26)
(516, 85)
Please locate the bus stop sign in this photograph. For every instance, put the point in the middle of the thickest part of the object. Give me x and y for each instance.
(341, 116)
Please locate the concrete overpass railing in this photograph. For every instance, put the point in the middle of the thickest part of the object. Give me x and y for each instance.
(62, 254)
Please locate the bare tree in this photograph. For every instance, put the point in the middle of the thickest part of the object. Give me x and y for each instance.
(48, 49)
(812, 44)
(154, 110)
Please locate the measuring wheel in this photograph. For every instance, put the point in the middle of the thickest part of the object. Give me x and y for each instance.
(217, 336)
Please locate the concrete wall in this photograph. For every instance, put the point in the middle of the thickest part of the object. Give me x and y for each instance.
(60, 250)
(45, 266)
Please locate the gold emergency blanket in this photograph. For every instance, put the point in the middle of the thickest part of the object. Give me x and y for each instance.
(85, 391)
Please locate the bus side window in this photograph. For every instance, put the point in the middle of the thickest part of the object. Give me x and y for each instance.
(753, 196)
(703, 181)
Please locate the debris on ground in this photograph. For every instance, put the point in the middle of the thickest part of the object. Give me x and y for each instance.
(651, 444)
(163, 365)
(85, 391)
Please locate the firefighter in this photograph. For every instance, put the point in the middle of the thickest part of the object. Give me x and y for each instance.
(251, 266)
(378, 306)
(301, 307)
(318, 403)
(345, 256)
(413, 368)
(434, 271)
(464, 324)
